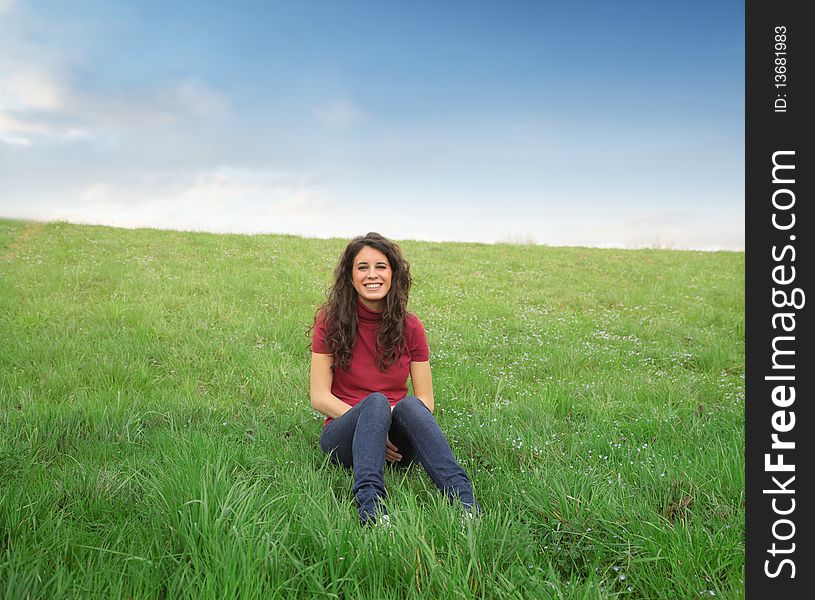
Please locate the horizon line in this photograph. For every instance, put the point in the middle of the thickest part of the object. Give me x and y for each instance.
(508, 240)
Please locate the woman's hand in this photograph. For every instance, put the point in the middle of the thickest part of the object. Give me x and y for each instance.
(391, 451)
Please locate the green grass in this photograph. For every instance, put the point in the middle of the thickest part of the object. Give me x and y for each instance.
(156, 438)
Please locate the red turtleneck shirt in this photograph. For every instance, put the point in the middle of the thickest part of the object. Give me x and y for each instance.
(364, 377)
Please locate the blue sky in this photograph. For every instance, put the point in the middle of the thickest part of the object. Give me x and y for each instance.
(584, 123)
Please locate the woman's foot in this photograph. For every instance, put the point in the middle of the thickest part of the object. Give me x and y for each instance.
(373, 513)
(384, 522)
(375, 519)
(469, 513)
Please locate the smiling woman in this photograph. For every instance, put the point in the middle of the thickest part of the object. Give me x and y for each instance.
(364, 346)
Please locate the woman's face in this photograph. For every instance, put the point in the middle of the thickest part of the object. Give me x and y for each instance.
(371, 275)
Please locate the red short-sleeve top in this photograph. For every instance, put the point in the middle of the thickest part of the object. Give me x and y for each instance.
(364, 377)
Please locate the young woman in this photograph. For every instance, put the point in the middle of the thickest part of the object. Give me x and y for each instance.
(364, 346)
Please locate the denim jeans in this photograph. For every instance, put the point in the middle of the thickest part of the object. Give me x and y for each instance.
(357, 440)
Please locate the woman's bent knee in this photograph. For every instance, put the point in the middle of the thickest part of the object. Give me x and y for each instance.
(378, 400)
(411, 406)
(376, 406)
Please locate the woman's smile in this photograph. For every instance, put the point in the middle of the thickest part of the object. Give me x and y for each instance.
(371, 276)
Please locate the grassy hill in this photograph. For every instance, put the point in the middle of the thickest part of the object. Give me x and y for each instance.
(156, 438)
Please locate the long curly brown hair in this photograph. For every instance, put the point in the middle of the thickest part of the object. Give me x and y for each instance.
(339, 312)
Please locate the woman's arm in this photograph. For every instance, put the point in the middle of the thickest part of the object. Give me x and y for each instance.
(422, 382)
(321, 397)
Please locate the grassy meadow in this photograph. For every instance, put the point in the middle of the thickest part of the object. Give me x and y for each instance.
(156, 437)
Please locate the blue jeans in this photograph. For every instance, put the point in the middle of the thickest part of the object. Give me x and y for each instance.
(357, 440)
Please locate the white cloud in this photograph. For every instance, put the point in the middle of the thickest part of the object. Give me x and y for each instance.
(29, 96)
(13, 140)
(221, 200)
(663, 229)
(23, 128)
(95, 192)
(195, 97)
(32, 88)
(13, 130)
(41, 99)
(338, 114)
(35, 108)
(300, 204)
